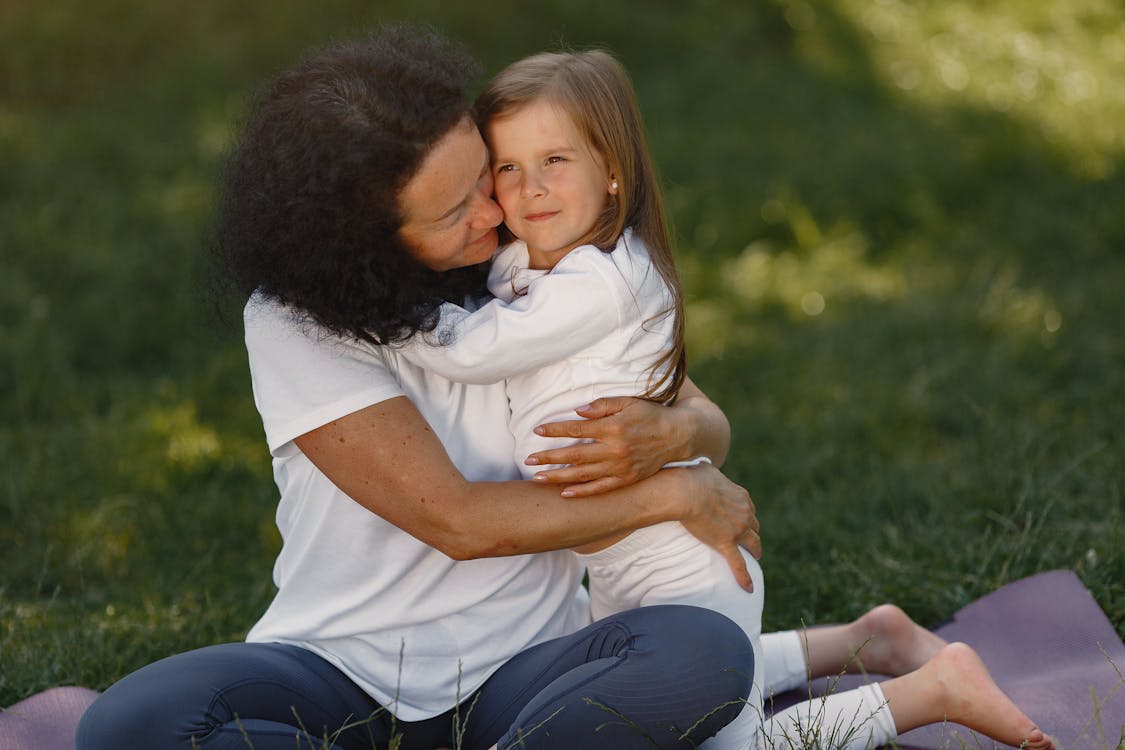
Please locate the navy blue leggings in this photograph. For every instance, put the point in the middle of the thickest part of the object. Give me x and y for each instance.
(641, 678)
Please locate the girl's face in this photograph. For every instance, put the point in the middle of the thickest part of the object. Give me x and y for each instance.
(550, 183)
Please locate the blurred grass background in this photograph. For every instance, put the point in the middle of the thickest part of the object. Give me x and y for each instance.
(901, 234)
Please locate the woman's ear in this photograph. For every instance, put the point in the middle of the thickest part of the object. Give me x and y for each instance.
(612, 185)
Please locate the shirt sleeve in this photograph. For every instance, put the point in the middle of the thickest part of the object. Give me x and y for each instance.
(304, 377)
(563, 312)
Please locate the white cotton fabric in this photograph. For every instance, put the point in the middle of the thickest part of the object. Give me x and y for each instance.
(849, 719)
(784, 662)
(594, 326)
(664, 564)
(856, 719)
(412, 627)
(590, 327)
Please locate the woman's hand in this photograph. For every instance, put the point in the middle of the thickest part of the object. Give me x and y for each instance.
(629, 439)
(626, 440)
(723, 518)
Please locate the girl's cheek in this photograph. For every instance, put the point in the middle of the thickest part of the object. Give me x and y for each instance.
(504, 198)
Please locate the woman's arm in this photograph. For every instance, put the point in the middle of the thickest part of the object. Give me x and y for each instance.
(387, 458)
(632, 440)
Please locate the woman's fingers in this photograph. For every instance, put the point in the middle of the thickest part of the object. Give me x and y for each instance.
(587, 454)
(754, 526)
(569, 474)
(737, 565)
(751, 542)
(603, 407)
(726, 520)
(579, 429)
(583, 480)
(605, 419)
(596, 487)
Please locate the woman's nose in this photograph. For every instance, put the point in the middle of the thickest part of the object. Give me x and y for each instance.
(488, 213)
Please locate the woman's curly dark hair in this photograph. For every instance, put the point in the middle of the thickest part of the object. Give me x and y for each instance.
(309, 212)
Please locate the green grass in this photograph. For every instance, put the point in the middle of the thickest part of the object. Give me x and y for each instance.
(901, 238)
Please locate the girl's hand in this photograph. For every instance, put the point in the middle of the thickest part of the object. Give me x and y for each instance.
(626, 440)
(723, 517)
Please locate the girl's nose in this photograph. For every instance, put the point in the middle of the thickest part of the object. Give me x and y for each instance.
(532, 186)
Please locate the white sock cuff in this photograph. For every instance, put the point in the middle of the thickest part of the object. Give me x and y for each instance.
(784, 663)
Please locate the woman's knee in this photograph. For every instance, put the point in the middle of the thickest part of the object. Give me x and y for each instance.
(702, 641)
(695, 664)
(130, 714)
(169, 703)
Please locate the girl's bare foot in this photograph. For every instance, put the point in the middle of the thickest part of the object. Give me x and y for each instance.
(890, 643)
(967, 695)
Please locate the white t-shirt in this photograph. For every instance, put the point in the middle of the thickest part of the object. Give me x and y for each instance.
(593, 326)
(401, 619)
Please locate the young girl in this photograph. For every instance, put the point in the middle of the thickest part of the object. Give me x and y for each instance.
(588, 305)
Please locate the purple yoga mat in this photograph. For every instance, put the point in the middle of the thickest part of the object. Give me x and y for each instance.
(45, 721)
(1044, 639)
(1050, 648)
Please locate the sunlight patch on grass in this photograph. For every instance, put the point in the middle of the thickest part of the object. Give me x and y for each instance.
(1034, 61)
(186, 442)
(708, 328)
(1010, 308)
(100, 535)
(186, 195)
(215, 128)
(114, 618)
(13, 127)
(807, 283)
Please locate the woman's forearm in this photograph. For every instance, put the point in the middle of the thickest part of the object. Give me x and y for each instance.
(386, 458)
(704, 429)
(517, 517)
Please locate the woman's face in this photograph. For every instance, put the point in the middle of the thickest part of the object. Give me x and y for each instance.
(450, 218)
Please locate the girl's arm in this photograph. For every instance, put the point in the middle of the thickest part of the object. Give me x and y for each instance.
(387, 459)
(631, 440)
(564, 312)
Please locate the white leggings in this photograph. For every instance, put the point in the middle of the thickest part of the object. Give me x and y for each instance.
(665, 564)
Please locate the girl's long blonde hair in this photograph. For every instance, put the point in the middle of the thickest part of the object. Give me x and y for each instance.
(594, 90)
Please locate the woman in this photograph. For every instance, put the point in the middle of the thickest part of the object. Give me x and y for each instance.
(422, 589)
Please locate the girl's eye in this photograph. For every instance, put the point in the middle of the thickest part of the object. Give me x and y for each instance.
(505, 168)
(555, 159)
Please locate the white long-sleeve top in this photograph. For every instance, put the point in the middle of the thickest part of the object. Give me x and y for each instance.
(592, 326)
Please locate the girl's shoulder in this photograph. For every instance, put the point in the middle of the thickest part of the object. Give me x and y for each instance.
(508, 276)
(628, 249)
(630, 258)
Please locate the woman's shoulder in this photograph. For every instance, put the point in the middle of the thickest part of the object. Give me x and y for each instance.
(276, 329)
(264, 311)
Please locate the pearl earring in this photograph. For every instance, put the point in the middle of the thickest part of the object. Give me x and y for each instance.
(614, 185)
